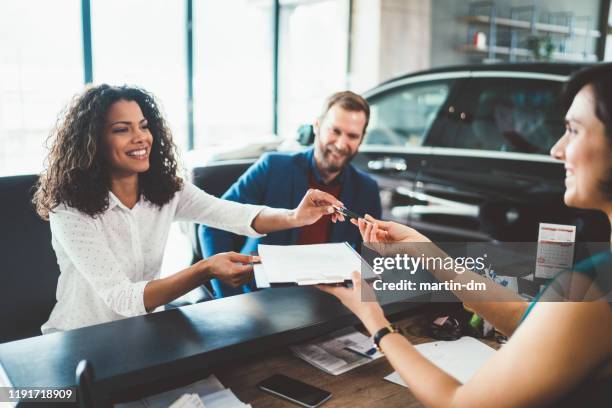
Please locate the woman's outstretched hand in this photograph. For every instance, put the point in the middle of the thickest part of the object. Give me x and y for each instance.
(361, 300)
(231, 268)
(314, 205)
(386, 232)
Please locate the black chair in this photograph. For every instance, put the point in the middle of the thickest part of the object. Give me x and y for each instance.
(85, 377)
(215, 178)
(29, 270)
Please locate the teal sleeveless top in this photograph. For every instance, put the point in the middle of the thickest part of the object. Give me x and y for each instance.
(597, 269)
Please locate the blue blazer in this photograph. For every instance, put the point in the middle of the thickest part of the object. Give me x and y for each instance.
(280, 180)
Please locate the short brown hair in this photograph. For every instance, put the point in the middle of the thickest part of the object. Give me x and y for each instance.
(349, 101)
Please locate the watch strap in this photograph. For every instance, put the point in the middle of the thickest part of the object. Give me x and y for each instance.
(377, 337)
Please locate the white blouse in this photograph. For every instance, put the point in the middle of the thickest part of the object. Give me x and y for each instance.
(107, 260)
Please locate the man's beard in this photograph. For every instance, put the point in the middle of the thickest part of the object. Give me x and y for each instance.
(330, 165)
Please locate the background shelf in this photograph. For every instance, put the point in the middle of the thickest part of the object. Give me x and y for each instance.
(523, 52)
(526, 25)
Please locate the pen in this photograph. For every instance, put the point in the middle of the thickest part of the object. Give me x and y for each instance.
(346, 212)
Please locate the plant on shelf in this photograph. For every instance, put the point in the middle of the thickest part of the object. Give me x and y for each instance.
(542, 47)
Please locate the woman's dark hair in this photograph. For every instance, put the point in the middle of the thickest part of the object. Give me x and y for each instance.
(77, 174)
(599, 77)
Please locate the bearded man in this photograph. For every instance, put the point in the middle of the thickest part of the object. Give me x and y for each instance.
(281, 179)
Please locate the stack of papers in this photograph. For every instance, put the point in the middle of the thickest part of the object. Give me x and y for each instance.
(208, 393)
(188, 401)
(459, 358)
(338, 352)
(306, 264)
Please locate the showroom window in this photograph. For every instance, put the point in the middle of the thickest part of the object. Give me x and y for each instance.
(233, 75)
(505, 114)
(142, 42)
(41, 68)
(403, 117)
(313, 58)
(608, 55)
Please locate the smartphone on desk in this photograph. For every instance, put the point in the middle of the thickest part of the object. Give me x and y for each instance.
(295, 391)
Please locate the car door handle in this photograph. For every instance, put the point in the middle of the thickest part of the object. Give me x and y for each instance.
(436, 205)
(388, 164)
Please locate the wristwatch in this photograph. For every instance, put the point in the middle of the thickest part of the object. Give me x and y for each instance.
(377, 337)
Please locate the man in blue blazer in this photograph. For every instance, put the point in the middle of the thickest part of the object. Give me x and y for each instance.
(281, 180)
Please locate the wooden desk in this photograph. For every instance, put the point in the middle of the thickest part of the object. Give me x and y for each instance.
(361, 387)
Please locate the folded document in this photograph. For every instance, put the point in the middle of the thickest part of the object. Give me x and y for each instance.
(307, 264)
(338, 352)
(209, 393)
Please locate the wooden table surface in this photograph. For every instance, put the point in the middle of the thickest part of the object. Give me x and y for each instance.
(361, 387)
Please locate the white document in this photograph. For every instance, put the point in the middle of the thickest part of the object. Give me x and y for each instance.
(459, 358)
(223, 399)
(555, 249)
(309, 264)
(207, 389)
(332, 353)
(261, 279)
(188, 401)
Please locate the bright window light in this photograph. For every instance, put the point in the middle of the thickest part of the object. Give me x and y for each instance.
(143, 43)
(41, 68)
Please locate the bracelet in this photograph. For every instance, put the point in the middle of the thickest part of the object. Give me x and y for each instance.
(377, 337)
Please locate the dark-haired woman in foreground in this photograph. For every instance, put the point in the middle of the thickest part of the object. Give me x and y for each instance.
(111, 191)
(559, 353)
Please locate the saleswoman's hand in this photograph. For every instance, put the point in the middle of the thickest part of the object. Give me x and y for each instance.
(231, 268)
(387, 232)
(314, 205)
(360, 299)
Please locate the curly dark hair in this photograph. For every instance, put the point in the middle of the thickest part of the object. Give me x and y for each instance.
(77, 174)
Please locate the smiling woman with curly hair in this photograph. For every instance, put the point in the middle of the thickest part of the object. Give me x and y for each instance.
(111, 191)
(78, 177)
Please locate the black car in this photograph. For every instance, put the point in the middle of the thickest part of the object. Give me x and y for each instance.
(462, 153)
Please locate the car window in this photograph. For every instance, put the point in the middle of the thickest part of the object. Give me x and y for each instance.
(402, 117)
(506, 114)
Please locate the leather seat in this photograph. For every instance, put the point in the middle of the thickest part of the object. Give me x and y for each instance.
(29, 269)
(214, 178)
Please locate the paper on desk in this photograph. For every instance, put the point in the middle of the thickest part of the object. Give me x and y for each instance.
(360, 344)
(330, 353)
(223, 399)
(309, 264)
(459, 358)
(188, 401)
(204, 388)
